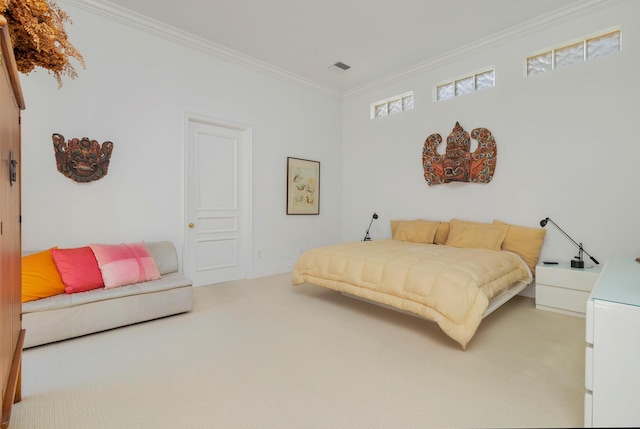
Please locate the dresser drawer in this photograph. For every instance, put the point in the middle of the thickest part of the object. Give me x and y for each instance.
(588, 410)
(589, 328)
(560, 298)
(588, 367)
(581, 279)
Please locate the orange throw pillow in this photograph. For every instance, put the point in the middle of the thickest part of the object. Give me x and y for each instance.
(40, 277)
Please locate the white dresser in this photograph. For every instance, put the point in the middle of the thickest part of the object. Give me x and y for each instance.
(612, 360)
(563, 289)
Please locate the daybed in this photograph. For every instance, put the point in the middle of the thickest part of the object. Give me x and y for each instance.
(453, 273)
(68, 315)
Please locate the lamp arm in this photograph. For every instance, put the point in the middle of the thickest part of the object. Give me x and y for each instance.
(579, 246)
(591, 257)
(366, 235)
(565, 234)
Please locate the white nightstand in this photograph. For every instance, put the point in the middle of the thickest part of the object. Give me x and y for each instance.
(563, 289)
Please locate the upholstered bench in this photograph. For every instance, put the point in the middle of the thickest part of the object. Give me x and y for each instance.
(65, 315)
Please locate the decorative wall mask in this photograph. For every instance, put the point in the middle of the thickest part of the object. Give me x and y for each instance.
(82, 160)
(458, 164)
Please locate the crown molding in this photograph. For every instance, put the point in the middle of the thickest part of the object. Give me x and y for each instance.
(144, 23)
(519, 31)
(165, 31)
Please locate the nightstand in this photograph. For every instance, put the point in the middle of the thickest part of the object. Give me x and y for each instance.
(563, 289)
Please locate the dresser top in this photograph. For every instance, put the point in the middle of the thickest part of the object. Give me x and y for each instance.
(619, 282)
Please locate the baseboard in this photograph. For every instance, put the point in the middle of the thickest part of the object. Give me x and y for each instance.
(270, 270)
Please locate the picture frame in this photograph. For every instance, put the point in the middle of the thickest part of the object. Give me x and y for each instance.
(303, 186)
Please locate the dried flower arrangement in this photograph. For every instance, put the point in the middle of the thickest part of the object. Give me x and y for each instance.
(38, 37)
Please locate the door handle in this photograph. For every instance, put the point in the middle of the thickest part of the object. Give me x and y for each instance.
(191, 225)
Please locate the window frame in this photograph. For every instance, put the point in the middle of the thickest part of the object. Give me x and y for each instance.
(454, 84)
(373, 107)
(584, 41)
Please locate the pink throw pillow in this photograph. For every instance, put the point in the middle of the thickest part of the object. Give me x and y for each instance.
(78, 269)
(123, 264)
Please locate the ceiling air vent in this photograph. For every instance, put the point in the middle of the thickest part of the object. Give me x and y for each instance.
(340, 66)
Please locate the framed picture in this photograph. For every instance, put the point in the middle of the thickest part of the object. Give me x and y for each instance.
(303, 187)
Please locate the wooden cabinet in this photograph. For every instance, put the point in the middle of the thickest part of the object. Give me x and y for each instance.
(612, 370)
(11, 333)
(563, 289)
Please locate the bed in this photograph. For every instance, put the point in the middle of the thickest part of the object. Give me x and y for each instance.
(453, 273)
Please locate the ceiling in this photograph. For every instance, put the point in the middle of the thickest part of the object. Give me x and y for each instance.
(377, 38)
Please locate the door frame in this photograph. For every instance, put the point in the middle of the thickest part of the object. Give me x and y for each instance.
(246, 156)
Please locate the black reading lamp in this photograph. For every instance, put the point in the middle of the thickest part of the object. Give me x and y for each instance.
(366, 236)
(575, 263)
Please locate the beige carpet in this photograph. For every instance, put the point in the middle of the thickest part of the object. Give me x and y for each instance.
(263, 354)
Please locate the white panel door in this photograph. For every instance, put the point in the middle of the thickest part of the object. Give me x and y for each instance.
(216, 208)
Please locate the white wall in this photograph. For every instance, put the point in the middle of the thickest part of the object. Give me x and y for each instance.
(135, 92)
(567, 144)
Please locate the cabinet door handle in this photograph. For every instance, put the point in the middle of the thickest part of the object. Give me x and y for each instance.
(13, 169)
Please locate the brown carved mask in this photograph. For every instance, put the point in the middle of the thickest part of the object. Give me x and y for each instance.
(82, 160)
(458, 164)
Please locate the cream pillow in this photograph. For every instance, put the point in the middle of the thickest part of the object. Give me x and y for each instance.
(442, 233)
(476, 235)
(524, 241)
(470, 222)
(394, 227)
(417, 231)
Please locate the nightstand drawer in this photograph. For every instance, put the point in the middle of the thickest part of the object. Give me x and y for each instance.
(582, 279)
(560, 298)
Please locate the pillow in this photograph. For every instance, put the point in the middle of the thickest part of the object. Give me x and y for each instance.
(476, 235)
(394, 227)
(524, 241)
(417, 231)
(442, 233)
(123, 264)
(470, 222)
(40, 277)
(78, 269)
